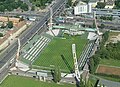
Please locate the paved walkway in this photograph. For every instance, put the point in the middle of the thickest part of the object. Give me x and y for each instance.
(107, 83)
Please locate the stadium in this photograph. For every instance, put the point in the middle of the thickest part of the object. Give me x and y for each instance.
(53, 48)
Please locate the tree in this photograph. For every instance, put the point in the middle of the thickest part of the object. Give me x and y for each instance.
(91, 65)
(10, 5)
(100, 5)
(94, 26)
(24, 7)
(70, 2)
(33, 8)
(38, 3)
(1, 34)
(117, 4)
(3, 25)
(106, 36)
(10, 24)
(86, 1)
(2, 8)
(96, 59)
(81, 83)
(102, 26)
(57, 74)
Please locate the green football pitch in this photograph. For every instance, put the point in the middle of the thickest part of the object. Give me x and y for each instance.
(59, 52)
(18, 81)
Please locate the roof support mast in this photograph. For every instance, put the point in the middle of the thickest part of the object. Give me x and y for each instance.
(18, 53)
(51, 14)
(94, 15)
(77, 73)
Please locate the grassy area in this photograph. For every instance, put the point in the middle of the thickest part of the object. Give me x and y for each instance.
(111, 34)
(110, 62)
(59, 52)
(114, 33)
(17, 81)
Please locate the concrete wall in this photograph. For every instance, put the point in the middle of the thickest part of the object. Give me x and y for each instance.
(4, 44)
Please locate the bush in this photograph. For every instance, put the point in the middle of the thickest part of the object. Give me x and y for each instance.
(1, 35)
(10, 24)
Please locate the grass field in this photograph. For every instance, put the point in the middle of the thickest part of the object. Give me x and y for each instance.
(110, 62)
(59, 52)
(108, 70)
(17, 81)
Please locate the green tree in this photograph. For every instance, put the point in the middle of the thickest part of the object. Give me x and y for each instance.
(96, 59)
(24, 7)
(91, 65)
(55, 75)
(59, 74)
(10, 24)
(33, 8)
(117, 4)
(94, 26)
(70, 2)
(3, 25)
(86, 1)
(100, 5)
(1, 34)
(2, 8)
(105, 36)
(81, 83)
(102, 26)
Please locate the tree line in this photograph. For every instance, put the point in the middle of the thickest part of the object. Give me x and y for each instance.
(100, 53)
(106, 18)
(10, 5)
(117, 4)
(40, 3)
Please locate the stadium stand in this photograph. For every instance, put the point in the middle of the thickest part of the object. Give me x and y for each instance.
(33, 48)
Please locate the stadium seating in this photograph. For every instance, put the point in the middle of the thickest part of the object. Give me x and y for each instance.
(34, 47)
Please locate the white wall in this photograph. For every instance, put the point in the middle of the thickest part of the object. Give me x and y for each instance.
(82, 9)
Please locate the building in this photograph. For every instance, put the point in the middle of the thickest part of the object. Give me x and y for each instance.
(73, 1)
(6, 19)
(82, 8)
(116, 14)
(109, 3)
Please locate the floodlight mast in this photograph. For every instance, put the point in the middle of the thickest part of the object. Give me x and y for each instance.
(51, 22)
(77, 73)
(18, 51)
(94, 15)
(51, 14)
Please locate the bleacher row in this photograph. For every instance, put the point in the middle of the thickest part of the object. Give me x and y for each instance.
(85, 54)
(36, 48)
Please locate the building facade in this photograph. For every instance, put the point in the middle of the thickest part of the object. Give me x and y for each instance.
(82, 8)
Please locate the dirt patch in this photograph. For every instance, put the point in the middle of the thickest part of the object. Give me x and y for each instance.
(108, 70)
(114, 37)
